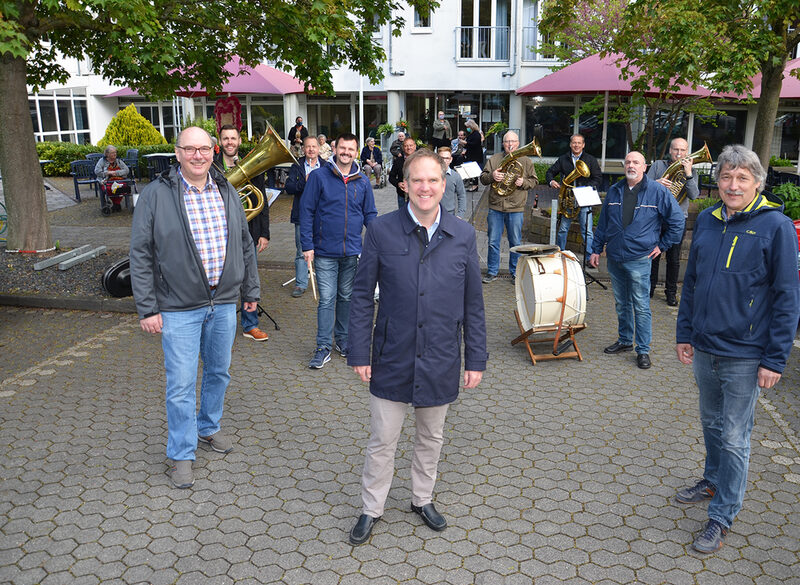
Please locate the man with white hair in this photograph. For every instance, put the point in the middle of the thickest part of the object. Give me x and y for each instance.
(638, 220)
(506, 210)
(396, 149)
(736, 325)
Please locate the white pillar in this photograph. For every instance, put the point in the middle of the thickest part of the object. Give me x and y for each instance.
(291, 109)
(750, 127)
(395, 104)
(516, 116)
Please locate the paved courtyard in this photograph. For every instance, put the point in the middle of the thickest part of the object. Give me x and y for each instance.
(559, 473)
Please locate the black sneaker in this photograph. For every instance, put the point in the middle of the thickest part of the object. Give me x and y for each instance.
(321, 357)
(711, 539)
(342, 350)
(703, 490)
(488, 278)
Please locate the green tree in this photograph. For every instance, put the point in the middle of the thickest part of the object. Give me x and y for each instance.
(158, 46)
(130, 128)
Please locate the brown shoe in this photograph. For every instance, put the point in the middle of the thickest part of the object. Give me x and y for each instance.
(256, 334)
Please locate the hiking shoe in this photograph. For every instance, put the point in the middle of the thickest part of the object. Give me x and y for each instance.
(711, 539)
(488, 278)
(701, 491)
(321, 357)
(342, 350)
(218, 442)
(256, 334)
(181, 474)
(298, 292)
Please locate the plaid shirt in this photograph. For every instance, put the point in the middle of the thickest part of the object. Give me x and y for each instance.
(208, 223)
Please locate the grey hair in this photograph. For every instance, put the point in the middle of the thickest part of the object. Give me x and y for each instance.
(423, 153)
(369, 138)
(108, 149)
(321, 136)
(737, 156)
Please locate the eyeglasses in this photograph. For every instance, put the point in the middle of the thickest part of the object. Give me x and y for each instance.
(190, 150)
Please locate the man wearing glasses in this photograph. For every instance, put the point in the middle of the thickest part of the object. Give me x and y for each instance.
(191, 257)
(508, 210)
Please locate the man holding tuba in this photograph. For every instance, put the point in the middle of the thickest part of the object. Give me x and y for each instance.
(226, 159)
(506, 209)
(564, 167)
(678, 151)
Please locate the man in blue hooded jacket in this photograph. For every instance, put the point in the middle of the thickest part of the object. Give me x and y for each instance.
(426, 263)
(639, 219)
(736, 325)
(336, 204)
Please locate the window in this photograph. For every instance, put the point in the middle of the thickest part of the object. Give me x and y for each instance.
(58, 115)
(421, 21)
(485, 28)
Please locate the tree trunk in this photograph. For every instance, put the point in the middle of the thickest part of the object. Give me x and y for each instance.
(767, 111)
(23, 188)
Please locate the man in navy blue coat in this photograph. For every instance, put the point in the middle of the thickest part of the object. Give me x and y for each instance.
(426, 263)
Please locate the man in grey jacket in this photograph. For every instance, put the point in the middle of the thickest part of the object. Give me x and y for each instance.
(191, 258)
(678, 151)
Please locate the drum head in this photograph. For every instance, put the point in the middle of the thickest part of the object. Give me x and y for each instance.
(540, 290)
(117, 279)
(534, 249)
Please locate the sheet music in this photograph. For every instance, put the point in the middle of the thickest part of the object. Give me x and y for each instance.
(271, 195)
(469, 170)
(586, 196)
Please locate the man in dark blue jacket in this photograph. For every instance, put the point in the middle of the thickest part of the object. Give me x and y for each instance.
(337, 203)
(426, 263)
(736, 324)
(295, 184)
(639, 219)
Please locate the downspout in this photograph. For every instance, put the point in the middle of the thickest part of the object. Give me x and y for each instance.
(391, 63)
(515, 36)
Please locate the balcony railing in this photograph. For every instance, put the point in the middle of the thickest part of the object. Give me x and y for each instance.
(482, 43)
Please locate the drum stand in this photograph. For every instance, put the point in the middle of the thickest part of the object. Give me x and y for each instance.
(588, 278)
(562, 336)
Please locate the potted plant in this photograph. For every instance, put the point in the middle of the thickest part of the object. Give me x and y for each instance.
(385, 129)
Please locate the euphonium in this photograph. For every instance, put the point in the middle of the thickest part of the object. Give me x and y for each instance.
(675, 172)
(270, 151)
(567, 206)
(513, 168)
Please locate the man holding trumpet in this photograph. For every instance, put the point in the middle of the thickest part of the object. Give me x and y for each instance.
(678, 150)
(337, 203)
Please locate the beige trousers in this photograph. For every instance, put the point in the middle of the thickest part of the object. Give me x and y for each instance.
(386, 422)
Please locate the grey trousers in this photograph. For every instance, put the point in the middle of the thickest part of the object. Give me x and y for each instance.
(386, 423)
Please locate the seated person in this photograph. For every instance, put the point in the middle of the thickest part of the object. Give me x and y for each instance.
(325, 150)
(371, 161)
(110, 171)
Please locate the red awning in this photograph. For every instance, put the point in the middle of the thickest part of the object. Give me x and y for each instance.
(261, 79)
(594, 75)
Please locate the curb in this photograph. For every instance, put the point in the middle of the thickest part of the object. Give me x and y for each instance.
(125, 305)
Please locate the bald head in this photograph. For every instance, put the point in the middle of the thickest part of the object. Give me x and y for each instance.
(635, 166)
(510, 141)
(678, 149)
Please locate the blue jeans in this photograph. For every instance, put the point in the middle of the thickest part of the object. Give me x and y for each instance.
(300, 264)
(513, 224)
(728, 393)
(249, 318)
(335, 282)
(631, 283)
(563, 228)
(209, 332)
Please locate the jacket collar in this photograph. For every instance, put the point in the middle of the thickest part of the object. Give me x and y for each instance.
(355, 169)
(447, 221)
(764, 201)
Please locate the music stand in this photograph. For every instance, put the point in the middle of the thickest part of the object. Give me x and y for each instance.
(587, 197)
(270, 195)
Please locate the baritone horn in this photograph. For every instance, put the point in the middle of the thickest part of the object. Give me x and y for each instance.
(269, 152)
(513, 168)
(676, 174)
(567, 206)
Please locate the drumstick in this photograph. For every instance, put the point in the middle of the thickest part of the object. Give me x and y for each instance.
(313, 279)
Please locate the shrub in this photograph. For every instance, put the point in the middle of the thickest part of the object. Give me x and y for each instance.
(63, 153)
(207, 124)
(774, 161)
(790, 194)
(131, 128)
(705, 203)
(541, 171)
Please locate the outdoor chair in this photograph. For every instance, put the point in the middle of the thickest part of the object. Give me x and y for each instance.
(707, 181)
(157, 165)
(82, 172)
(94, 156)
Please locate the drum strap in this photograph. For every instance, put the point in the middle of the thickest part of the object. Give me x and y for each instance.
(563, 304)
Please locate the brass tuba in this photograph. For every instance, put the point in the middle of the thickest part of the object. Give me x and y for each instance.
(675, 172)
(270, 151)
(513, 168)
(567, 206)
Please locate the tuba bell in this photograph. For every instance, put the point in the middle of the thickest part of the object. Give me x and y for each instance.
(513, 168)
(269, 152)
(676, 174)
(567, 206)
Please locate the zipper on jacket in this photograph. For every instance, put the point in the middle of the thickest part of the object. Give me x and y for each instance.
(344, 241)
(730, 253)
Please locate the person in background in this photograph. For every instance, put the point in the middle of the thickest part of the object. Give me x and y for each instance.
(109, 170)
(473, 149)
(396, 174)
(396, 149)
(442, 132)
(372, 161)
(297, 134)
(325, 150)
(454, 199)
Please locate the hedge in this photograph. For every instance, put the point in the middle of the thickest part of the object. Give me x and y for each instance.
(63, 153)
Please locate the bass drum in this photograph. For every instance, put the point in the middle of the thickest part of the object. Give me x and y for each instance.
(540, 288)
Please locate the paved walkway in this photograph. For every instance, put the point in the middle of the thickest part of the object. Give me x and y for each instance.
(559, 473)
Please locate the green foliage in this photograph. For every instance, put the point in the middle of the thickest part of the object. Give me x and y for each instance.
(207, 124)
(541, 171)
(130, 127)
(790, 193)
(704, 203)
(497, 128)
(402, 125)
(63, 153)
(774, 161)
(385, 129)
